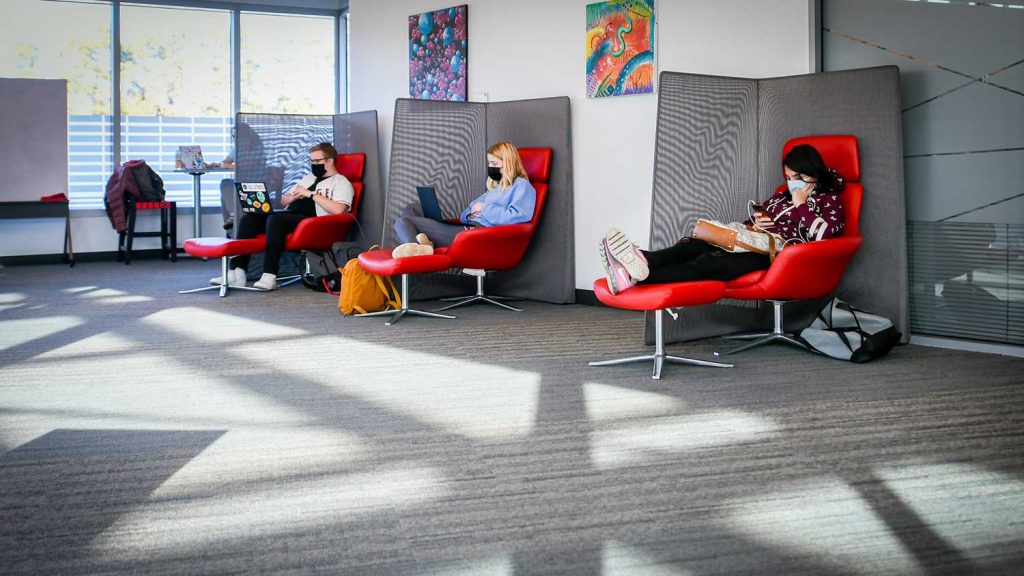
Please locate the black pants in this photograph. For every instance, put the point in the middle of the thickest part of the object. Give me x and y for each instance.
(276, 225)
(693, 259)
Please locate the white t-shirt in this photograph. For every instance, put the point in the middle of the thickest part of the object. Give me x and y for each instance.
(337, 188)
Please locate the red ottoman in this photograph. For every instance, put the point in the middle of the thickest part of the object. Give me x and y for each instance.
(381, 263)
(223, 248)
(658, 297)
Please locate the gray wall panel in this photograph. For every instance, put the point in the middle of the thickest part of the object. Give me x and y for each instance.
(705, 165)
(441, 144)
(547, 271)
(444, 144)
(33, 127)
(357, 132)
(719, 143)
(864, 103)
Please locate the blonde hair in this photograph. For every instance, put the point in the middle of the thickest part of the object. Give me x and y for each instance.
(512, 165)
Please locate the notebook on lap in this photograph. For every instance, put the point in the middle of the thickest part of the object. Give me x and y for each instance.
(428, 201)
(253, 197)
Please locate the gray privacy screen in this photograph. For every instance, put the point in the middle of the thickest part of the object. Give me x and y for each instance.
(274, 148)
(719, 144)
(444, 144)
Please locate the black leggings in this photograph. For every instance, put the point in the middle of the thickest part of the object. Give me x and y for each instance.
(693, 259)
(276, 225)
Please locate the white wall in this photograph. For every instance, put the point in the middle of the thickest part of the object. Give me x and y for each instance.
(536, 48)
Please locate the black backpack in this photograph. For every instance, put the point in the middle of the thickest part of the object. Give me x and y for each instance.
(847, 333)
(151, 185)
(321, 271)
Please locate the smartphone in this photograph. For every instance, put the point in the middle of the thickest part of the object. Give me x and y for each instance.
(755, 208)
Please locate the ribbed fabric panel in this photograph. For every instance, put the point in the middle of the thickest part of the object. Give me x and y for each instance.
(719, 144)
(357, 132)
(439, 144)
(274, 148)
(705, 165)
(967, 280)
(547, 271)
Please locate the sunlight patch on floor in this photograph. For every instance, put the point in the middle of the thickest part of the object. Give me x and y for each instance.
(104, 293)
(17, 332)
(460, 396)
(971, 508)
(78, 289)
(11, 297)
(245, 456)
(655, 438)
(619, 559)
(166, 528)
(827, 522)
(209, 326)
(176, 395)
(607, 402)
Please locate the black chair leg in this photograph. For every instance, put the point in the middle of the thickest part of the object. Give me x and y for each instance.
(130, 233)
(173, 224)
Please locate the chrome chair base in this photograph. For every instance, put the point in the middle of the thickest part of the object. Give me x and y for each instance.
(224, 288)
(762, 338)
(659, 357)
(404, 311)
(478, 297)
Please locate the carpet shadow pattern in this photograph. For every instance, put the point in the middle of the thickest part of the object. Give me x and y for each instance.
(483, 445)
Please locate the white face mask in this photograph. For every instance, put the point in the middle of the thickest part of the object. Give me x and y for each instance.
(795, 185)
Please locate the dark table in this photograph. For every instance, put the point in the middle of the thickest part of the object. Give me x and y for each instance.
(37, 209)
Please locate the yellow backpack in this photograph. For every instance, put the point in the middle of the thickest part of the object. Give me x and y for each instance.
(362, 292)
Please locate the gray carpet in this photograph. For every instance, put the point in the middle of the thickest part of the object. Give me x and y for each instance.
(149, 432)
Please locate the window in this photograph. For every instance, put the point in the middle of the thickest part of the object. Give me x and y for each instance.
(76, 46)
(288, 64)
(176, 91)
(175, 79)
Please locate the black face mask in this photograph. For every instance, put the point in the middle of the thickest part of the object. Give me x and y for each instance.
(319, 170)
(494, 173)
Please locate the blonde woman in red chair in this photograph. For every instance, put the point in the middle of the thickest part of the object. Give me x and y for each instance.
(508, 199)
(809, 209)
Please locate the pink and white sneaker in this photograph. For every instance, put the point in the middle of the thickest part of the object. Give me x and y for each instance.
(617, 275)
(622, 250)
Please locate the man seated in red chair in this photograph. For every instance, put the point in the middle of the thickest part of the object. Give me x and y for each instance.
(509, 199)
(320, 193)
(810, 209)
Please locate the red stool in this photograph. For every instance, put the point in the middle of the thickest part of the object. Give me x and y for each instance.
(381, 263)
(223, 248)
(658, 297)
(168, 233)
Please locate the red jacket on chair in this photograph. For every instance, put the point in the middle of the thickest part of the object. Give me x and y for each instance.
(123, 181)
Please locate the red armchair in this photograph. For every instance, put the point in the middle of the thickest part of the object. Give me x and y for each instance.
(318, 234)
(812, 270)
(311, 234)
(499, 247)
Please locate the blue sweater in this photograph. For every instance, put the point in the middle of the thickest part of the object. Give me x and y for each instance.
(511, 206)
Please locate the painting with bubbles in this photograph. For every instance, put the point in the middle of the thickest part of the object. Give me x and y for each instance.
(437, 54)
(620, 48)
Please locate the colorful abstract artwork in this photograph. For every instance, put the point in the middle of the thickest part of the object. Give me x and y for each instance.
(620, 48)
(438, 46)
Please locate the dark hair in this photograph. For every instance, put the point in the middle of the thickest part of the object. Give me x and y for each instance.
(806, 160)
(329, 151)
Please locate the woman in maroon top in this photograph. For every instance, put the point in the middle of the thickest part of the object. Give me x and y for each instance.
(810, 209)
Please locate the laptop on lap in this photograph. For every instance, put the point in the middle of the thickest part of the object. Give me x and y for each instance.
(253, 197)
(428, 201)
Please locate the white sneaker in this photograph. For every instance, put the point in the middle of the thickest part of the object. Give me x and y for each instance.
(236, 278)
(266, 282)
(626, 253)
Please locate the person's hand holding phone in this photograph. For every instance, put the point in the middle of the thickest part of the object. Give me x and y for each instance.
(761, 218)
